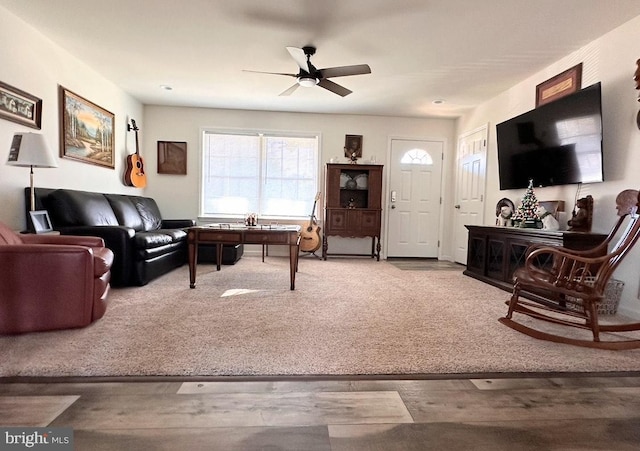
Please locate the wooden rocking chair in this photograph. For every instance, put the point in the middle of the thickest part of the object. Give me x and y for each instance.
(574, 282)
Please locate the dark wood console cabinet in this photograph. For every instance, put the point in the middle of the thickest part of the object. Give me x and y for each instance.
(494, 253)
(353, 204)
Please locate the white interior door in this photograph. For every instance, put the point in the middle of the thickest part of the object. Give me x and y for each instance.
(470, 186)
(413, 204)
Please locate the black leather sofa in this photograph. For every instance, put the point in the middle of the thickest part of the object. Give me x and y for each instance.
(145, 245)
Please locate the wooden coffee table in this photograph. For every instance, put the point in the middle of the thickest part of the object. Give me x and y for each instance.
(219, 234)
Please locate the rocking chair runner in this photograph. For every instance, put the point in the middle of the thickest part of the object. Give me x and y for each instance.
(574, 282)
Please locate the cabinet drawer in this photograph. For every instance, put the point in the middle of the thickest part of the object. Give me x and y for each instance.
(215, 236)
(261, 237)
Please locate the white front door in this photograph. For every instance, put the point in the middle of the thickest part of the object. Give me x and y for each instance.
(413, 203)
(471, 166)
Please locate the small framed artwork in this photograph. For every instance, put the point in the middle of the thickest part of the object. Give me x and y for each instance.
(562, 84)
(40, 221)
(86, 130)
(19, 106)
(353, 146)
(172, 157)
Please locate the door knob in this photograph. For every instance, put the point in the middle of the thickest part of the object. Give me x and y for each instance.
(393, 206)
(457, 206)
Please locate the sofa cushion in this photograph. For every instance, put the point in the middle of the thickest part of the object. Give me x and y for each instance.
(146, 240)
(125, 211)
(175, 234)
(149, 212)
(80, 208)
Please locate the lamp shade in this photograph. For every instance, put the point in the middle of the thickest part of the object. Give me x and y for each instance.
(30, 149)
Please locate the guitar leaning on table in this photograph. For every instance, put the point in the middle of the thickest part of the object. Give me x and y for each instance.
(310, 235)
(134, 173)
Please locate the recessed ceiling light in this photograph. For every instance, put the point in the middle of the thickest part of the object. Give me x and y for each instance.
(438, 102)
(166, 87)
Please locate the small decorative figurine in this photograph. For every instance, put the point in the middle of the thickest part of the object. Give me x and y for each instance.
(504, 218)
(251, 219)
(582, 215)
(548, 221)
(504, 212)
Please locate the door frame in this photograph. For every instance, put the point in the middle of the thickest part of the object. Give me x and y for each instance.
(387, 183)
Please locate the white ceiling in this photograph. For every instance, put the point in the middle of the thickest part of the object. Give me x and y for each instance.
(461, 51)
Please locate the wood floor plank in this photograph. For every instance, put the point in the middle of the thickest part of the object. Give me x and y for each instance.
(534, 404)
(323, 386)
(311, 438)
(32, 411)
(241, 409)
(191, 388)
(79, 388)
(555, 382)
(592, 434)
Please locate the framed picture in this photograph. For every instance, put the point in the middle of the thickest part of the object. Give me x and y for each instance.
(40, 221)
(86, 130)
(19, 106)
(172, 157)
(353, 146)
(562, 84)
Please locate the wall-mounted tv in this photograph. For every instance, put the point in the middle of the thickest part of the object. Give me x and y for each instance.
(558, 143)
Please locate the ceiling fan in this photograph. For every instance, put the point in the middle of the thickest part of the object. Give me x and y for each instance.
(309, 76)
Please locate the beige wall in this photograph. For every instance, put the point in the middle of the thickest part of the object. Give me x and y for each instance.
(177, 195)
(612, 61)
(31, 62)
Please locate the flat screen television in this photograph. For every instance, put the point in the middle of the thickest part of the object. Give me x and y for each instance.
(558, 143)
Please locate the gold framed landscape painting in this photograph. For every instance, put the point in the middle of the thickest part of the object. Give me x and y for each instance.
(19, 106)
(86, 130)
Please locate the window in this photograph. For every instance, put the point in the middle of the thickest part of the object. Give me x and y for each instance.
(275, 176)
(416, 156)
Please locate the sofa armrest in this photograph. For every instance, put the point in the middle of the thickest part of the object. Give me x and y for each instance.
(77, 240)
(177, 223)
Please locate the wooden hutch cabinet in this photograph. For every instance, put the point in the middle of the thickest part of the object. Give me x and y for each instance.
(353, 204)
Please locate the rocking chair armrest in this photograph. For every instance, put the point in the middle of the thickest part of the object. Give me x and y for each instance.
(563, 253)
(593, 252)
(567, 269)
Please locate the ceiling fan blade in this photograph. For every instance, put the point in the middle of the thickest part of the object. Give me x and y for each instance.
(299, 57)
(334, 87)
(271, 73)
(290, 90)
(343, 71)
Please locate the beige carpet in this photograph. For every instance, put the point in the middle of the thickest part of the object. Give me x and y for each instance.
(347, 316)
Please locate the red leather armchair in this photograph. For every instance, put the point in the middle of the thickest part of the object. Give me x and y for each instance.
(51, 282)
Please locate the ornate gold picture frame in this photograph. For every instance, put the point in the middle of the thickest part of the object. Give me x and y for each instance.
(86, 130)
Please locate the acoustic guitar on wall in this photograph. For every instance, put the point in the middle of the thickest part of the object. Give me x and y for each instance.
(310, 235)
(134, 173)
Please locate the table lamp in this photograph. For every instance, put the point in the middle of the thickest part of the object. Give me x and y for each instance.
(30, 149)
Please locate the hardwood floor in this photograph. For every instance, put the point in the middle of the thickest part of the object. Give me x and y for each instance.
(528, 412)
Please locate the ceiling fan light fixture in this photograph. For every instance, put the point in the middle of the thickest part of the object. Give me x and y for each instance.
(308, 82)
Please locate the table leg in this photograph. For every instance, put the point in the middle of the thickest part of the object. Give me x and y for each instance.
(218, 255)
(294, 251)
(193, 259)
